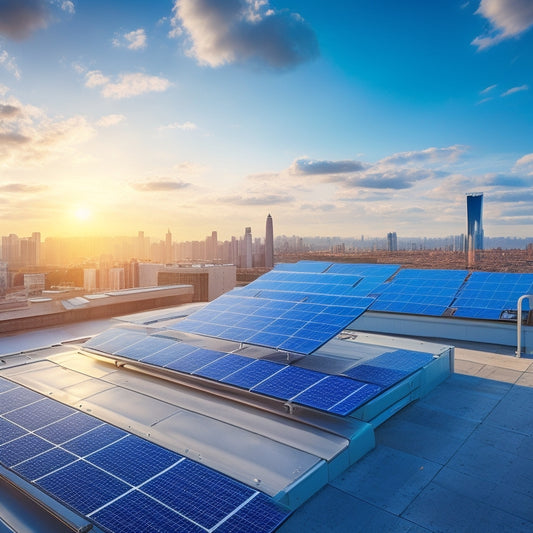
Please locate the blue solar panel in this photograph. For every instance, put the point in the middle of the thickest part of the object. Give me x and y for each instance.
(253, 374)
(195, 360)
(140, 513)
(39, 414)
(123, 482)
(83, 486)
(356, 400)
(68, 428)
(198, 493)
(139, 461)
(384, 377)
(333, 391)
(23, 448)
(9, 431)
(291, 381)
(6, 385)
(144, 347)
(224, 366)
(260, 515)
(45, 463)
(16, 398)
(94, 440)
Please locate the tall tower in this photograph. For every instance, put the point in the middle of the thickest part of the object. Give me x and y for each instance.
(474, 224)
(269, 243)
(168, 247)
(247, 255)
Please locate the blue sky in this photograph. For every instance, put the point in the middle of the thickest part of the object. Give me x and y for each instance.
(338, 118)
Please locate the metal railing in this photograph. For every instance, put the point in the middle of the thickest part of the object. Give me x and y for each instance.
(519, 321)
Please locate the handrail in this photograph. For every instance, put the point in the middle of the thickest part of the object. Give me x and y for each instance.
(519, 321)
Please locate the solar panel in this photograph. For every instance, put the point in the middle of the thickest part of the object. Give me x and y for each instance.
(195, 360)
(253, 374)
(419, 292)
(486, 295)
(289, 382)
(337, 394)
(224, 366)
(144, 347)
(123, 482)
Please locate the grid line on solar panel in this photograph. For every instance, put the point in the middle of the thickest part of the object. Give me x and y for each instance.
(144, 347)
(96, 474)
(39, 414)
(6, 385)
(16, 398)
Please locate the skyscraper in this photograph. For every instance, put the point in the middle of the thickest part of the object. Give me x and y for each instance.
(474, 212)
(247, 249)
(392, 242)
(269, 243)
(168, 247)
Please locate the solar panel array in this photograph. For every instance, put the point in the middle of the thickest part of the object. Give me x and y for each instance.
(119, 481)
(487, 294)
(319, 390)
(419, 292)
(296, 307)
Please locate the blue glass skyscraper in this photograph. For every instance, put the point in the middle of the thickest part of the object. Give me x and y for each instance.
(474, 212)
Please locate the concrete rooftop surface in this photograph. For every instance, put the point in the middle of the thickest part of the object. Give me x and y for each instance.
(458, 460)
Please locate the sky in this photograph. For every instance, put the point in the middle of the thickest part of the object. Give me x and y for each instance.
(341, 118)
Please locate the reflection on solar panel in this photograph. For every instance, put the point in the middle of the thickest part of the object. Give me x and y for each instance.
(319, 390)
(419, 292)
(487, 294)
(118, 480)
(282, 319)
(389, 368)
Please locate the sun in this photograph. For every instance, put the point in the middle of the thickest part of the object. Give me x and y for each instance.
(82, 213)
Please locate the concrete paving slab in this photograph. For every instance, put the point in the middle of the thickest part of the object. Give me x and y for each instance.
(502, 439)
(497, 495)
(441, 509)
(387, 478)
(515, 411)
(494, 465)
(467, 397)
(334, 511)
(425, 432)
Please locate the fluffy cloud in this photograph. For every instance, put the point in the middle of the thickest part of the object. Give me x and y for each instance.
(8, 111)
(244, 31)
(28, 136)
(9, 64)
(110, 120)
(448, 154)
(127, 85)
(19, 18)
(525, 164)
(133, 40)
(68, 7)
(509, 18)
(160, 185)
(313, 167)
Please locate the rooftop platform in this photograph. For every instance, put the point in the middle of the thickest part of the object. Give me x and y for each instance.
(458, 460)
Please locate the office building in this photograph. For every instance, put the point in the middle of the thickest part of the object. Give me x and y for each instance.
(392, 242)
(269, 243)
(474, 216)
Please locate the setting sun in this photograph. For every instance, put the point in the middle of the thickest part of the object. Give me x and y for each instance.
(82, 214)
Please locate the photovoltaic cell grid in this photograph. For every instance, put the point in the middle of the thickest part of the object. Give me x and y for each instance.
(291, 311)
(419, 292)
(335, 394)
(121, 482)
(486, 295)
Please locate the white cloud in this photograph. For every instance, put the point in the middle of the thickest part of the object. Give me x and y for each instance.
(127, 85)
(133, 40)
(68, 6)
(525, 164)
(30, 136)
(243, 31)
(449, 154)
(110, 120)
(94, 78)
(515, 90)
(185, 126)
(509, 18)
(9, 64)
(488, 89)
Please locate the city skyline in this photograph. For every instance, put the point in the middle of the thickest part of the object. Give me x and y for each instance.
(349, 119)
